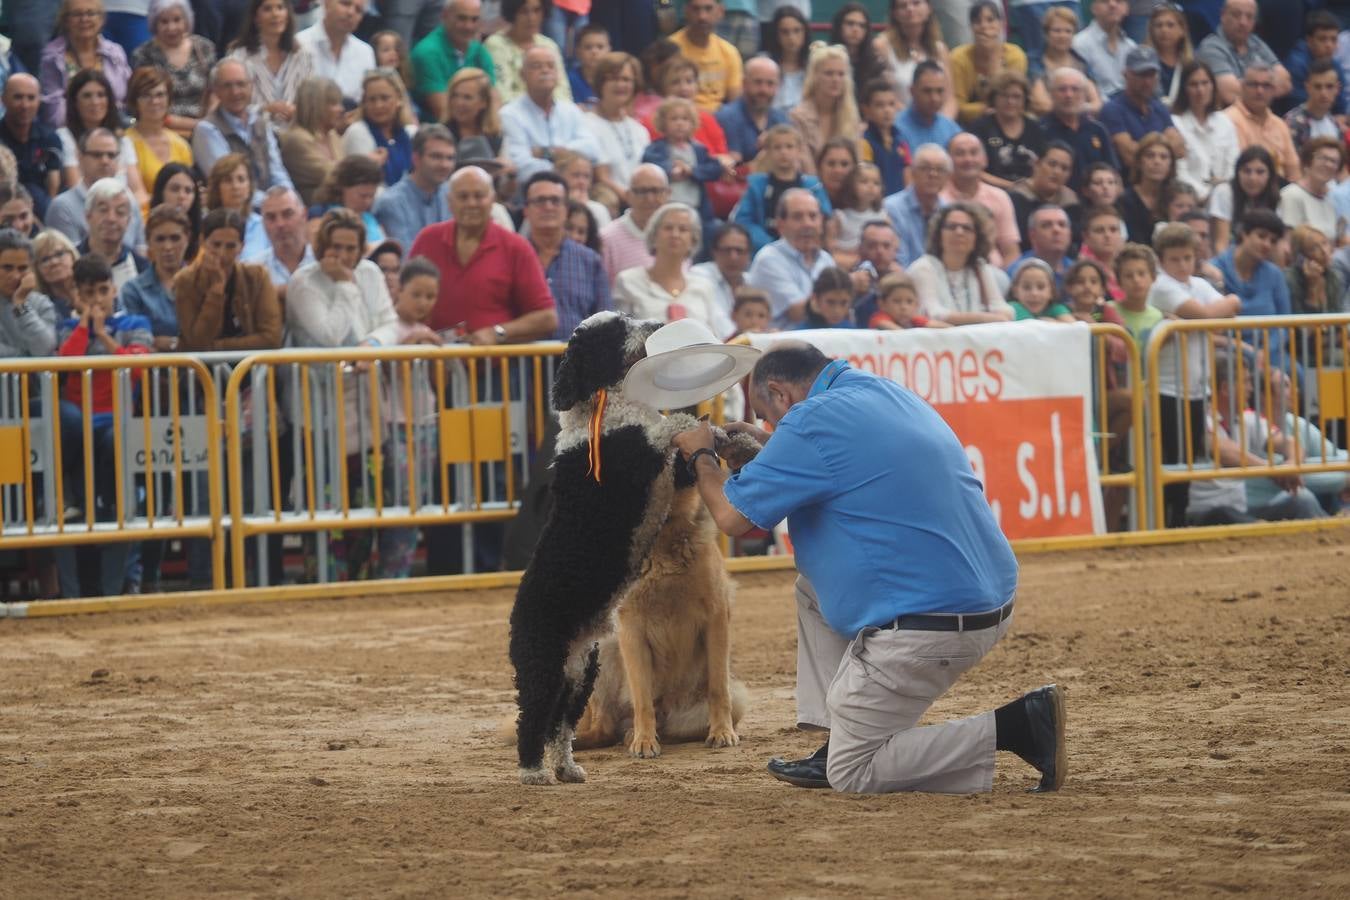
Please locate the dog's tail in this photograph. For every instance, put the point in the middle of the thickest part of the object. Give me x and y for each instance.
(691, 723)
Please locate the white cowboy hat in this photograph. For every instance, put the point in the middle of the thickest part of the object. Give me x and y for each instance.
(686, 364)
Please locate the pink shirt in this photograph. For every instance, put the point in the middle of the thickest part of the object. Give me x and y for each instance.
(623, 247)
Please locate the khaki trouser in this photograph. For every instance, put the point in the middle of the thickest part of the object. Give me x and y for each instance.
(871, 692)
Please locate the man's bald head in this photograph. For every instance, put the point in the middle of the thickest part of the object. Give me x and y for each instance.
(760, 83)
(472, 172)
(22, 97)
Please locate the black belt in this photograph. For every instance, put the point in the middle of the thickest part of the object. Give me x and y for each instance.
(952, 621)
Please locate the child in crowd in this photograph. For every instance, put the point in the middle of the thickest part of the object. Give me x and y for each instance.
(780, 169)
(1032, 294)
(881, 143)
(831, 302)
(1178, 291)
(1180, 198)
(579, 173)
(752, 312)
(1102, 186)
(898, 305)
(1136, 269)
(592, 43)
(389, 257)
(686, 162)
(1086, 285)
(860, 204)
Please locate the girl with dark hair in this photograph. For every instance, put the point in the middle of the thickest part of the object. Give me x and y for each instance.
(1144, 204)
(1211, 139)
(1254, 185)
(580, 225)
(276, 63)
(787, 42)
(851, 28)
(176, 185)
(831, 301)
(834, 166)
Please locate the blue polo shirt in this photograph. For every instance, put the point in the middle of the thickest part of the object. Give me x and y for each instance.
(1119, 116)
(886, 515)
(916, 133)
(740, 129)
(1266, 293)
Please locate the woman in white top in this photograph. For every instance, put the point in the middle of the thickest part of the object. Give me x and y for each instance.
(275, 61)
(912, 35)
(620, 137)
(340, 299)
(954, 279)
(1307, 201)
(665, 290)
(1211, 139)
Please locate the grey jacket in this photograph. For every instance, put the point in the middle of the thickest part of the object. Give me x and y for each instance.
(28, 333)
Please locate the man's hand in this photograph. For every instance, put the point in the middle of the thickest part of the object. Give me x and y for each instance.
(483, 337)
(693, 439)
(26, 285)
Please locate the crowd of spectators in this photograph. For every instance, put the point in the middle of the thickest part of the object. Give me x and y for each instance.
(180, 177)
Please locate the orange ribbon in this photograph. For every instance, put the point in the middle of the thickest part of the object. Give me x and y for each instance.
(597, 419)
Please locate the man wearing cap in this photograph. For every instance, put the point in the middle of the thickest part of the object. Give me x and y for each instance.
(1137, 111)
(906, 580)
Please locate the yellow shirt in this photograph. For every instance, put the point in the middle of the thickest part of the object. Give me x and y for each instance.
(971, 90)
(149, 164)
(719, 69)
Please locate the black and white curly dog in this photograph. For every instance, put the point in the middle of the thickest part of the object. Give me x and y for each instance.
(607, 510)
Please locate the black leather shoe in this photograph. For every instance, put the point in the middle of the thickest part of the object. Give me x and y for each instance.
(805, 773)
(1045, 713)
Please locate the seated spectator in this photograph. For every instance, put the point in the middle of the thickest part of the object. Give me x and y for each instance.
(89, 105)
(1136, 112)
(623, 241)
(150, 294)
(745, 120)
(536, 124)
(274, 62)
(678, 77)
(339, 55)
(391, 53)
(719, 63)
(108, 216)
(237, 126)
(1136, 269)
(1145, 202)
(619, 138)
(389, 257)
(1102, 186)
(1046, 187)
(1313, 118)
(177, 186)
(54, 258)
(386, 127)
(1085, 290)
(751, 313)
(923, 122)
(36, 147)
(27, 316)
(831, 302)
(664, 290)
(576, 276)
(184, 58)
(861, 203)
(100, 158)
(16, 209)
(1198, 222)
(1233, 50)
(352, 184)
(1084, 135)
(1320, 32)
(229, 186)
(787, 268)
(898, 306)
(474, 119)
(577, 171)
(1058, 27)
(782, 161)
(1256, 125)
(1271, 494)
(1104, 45)
(954, 280)
(288, 249)
(730, 261)
(311, 147)
(1254, 186)
(1012, 140)
(827, 109)
(1033, 294)
(834, 166)
(685, 161)
(910, 210)
(592, 45)
(1210, 138)
(1315, 286)
(1257, 282)
(787, 44)
(509, 47)
(1178, 291)
(421, 196)
(155, 144)
(341, 299)
(1103, 238)
(582, 228)
(1307, 200)
(1049, 234)
(877, 251)
(78, 45)
(452, 46)
(967, 183)
(224, 304)
(881, 143)
(1169, 35)
(975, 64)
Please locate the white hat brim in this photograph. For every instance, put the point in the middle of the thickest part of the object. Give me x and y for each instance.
(689, 375)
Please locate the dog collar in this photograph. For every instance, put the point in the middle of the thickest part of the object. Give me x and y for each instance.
(597, 420)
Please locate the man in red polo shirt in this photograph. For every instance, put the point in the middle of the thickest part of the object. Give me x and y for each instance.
(491, 282)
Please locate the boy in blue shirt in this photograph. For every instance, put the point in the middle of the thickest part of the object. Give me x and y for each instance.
(881, 142)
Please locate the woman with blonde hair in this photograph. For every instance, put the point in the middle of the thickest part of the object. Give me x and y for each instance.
(311, 147)
(912, 35)
(1170, 37)
(386, 127)
(54, 257)
(1059, 26)
(230, 186)
(828, 109)
(79, 45)
(150, 97)
(473, 117)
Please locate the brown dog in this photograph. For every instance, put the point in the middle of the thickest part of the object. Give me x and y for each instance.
(667, 673)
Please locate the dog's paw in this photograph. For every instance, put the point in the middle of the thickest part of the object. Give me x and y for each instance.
(537, 776)
(571, 774)
(722, 737)
(645, 747)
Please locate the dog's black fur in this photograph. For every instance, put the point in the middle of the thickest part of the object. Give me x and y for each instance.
(593, 545)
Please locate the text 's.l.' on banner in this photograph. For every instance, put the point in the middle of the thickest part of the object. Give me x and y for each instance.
(1018, 396)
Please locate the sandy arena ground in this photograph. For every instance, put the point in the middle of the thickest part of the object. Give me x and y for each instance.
(343, 749)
